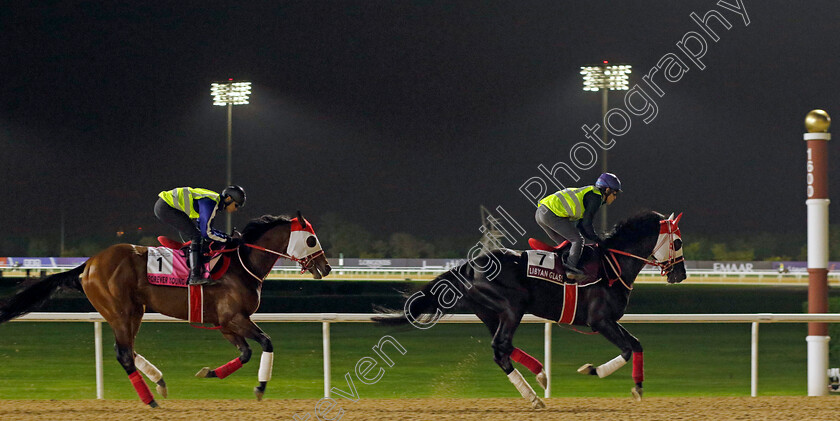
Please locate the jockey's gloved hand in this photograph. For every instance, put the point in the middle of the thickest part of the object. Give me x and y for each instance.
(233, 242)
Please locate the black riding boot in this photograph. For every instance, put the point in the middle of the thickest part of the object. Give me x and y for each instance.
(197, 265)
(573, 273)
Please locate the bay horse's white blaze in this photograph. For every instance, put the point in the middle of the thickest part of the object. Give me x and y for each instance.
(525, 389)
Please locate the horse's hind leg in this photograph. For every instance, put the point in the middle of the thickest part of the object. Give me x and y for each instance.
(152, 372)
(532, 364)
(124, 335)
(491, 320)
(507, 321)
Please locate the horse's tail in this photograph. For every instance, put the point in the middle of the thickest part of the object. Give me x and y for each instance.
(38, 293)
(421, 307)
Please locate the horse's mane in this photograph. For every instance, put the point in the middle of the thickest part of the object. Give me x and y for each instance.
(257, 227)
(634, 228)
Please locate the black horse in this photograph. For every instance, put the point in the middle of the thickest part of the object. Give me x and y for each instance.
(496, 287)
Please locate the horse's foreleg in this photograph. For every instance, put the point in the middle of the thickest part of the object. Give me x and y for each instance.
(236, 331)
(619, 336)
(266, 360)
(231, 366)
(638, 363)
(152, 372)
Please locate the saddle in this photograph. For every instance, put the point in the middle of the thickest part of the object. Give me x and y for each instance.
(590, 258)
(218, 263)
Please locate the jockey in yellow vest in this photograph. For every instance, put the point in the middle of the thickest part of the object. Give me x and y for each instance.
(191, 211)
(568, 215)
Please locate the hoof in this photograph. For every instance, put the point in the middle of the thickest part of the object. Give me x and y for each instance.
(153, 404)
(542, 379)
(203, 373)
(587, 369)
(637, 393)
(161, 388)
(258, 393)
(537, 404)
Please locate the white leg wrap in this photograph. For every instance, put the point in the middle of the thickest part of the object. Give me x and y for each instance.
(610, 366)
(266, 363)
(522, 386)
(147, 368)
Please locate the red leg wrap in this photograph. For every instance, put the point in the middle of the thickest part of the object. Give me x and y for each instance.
(528, 361)
(141, 388)
(638, 367)
(227, 369)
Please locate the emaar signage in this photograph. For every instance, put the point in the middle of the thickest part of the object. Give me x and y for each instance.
(732, 267)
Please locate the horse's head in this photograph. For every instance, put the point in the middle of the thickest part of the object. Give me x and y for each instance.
(291, 238)
(668, 252)
(650, 238)
(306, 249)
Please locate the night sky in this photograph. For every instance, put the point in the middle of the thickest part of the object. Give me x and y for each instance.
(403, 116)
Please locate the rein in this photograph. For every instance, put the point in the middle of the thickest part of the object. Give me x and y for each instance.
(305, 263)
(665, 266)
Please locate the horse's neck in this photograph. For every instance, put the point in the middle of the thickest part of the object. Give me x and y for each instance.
(263, 261)
(631, 266)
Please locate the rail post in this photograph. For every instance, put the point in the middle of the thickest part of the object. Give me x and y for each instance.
(97, 344)
(754, 360)
(547, 358)
(325, 330)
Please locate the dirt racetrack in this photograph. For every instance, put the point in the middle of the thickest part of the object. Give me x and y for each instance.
(738, 408)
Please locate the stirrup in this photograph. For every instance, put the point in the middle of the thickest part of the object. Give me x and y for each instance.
(200, 281)
(574, 274)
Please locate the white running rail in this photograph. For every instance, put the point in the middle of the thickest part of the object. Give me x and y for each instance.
(326, 318)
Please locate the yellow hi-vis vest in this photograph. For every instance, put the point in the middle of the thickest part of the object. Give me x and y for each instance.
(568, 203)
(182, 199)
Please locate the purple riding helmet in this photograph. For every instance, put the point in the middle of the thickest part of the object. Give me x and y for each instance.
(608, 180)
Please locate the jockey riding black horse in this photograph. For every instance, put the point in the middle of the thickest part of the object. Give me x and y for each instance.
(496, 287)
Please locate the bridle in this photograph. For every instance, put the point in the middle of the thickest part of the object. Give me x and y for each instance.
(305, 262)
(666, 265)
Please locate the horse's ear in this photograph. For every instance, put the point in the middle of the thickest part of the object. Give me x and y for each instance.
(301, 221)
(671, 216)
(677, 221)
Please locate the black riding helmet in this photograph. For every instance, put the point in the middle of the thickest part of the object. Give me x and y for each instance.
(236, 193)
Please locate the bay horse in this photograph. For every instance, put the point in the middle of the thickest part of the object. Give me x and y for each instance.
(496, 286)
(115, 283)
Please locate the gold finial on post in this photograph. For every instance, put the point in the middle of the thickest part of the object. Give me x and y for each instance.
(817, 121)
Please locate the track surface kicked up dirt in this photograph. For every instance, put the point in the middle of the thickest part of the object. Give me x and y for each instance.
(736, 408)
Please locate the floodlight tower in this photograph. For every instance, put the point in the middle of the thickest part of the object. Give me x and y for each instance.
(605, 77)
(230, 93)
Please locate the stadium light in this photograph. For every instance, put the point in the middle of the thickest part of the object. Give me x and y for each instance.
(228, 94)
(605, 77)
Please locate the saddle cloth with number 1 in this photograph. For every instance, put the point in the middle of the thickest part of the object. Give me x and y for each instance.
(168, 267)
